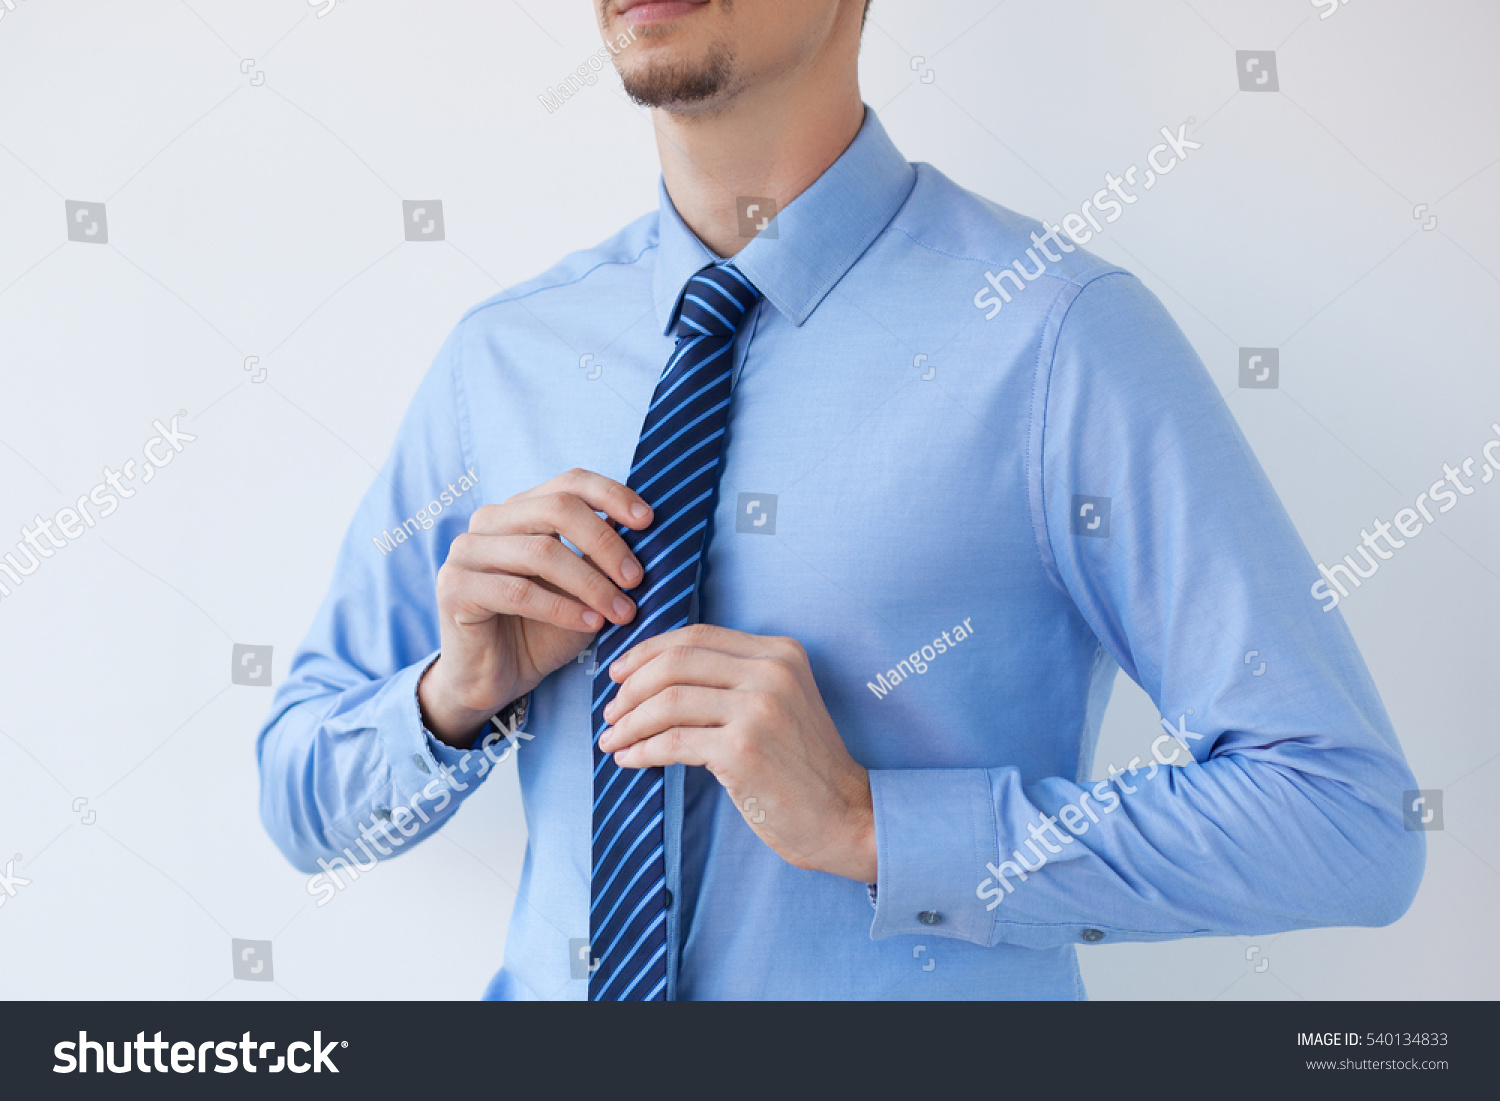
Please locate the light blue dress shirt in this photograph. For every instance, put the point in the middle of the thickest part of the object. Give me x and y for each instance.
(1056, 489)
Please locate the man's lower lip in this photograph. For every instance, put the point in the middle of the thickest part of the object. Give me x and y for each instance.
(659, 11)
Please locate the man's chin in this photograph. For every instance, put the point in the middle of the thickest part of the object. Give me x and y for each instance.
(681, 84)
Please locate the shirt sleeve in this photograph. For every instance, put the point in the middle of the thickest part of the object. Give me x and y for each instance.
(344, 754)
(1273, 803)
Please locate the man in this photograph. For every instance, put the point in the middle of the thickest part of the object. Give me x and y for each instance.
(858, 567)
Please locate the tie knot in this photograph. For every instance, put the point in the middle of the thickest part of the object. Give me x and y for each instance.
(715, 302)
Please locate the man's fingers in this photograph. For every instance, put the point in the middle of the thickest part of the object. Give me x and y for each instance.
(489, 594)
(544, 557)
(575, 520)
(679, 745)
(620, 503)
(677, 705)
(702, 636)
(686, 665)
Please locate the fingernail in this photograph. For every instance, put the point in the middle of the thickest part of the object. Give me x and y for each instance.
(630, 569)
(593, 620)
(609, 713)
(621, 607)
(639, 510)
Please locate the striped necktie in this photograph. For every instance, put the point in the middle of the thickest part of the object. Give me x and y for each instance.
(676, 470)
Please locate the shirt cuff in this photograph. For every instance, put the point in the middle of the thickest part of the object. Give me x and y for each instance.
(417, 758)
(411, 753)
(933, 829)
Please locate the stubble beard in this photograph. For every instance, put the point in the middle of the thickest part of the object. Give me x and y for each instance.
(679, 85)
(682, 85)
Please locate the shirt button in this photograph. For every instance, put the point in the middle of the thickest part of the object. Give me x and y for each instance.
(669, 900)
(1093, 936)
(421, 762)
(930, 917)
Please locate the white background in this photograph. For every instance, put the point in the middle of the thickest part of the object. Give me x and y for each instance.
(264, 220)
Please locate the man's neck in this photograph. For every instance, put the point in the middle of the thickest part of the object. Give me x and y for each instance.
(770, 142)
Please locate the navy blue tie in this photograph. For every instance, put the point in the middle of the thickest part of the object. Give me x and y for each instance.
(676, 470)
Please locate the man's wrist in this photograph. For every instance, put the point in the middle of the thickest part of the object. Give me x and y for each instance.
(860, 858)
(866, 855)
(447, 719)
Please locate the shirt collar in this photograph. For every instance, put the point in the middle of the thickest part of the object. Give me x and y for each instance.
(820, 234)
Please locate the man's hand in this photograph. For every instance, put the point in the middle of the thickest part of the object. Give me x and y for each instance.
(514, 603)
(747, 709)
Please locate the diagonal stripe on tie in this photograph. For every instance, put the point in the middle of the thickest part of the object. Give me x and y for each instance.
(676, 468)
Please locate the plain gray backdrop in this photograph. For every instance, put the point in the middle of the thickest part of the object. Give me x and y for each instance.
(253, 158)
